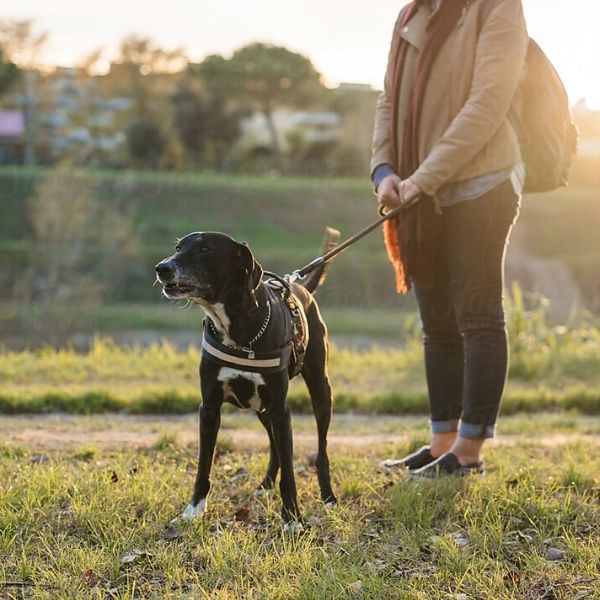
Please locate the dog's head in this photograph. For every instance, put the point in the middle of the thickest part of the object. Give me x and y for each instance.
(209, 267)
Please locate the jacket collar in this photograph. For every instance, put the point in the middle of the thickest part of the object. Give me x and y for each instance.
(415, 30)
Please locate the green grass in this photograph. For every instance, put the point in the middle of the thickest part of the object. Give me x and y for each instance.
(92, 521)
(168, 318)
(552, 368)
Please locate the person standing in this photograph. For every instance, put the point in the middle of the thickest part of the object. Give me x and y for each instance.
(445, 148)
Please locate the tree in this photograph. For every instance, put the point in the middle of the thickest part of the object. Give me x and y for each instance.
(90, 61)
(267, 77)
(140, 64)
(146, 141)
(79, 248)
(21, 44)
(144, 73)
(224, 109)
(9, 73)
(150, 59)
(190, 119)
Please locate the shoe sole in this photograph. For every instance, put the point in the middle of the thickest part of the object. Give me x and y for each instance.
(420, 477)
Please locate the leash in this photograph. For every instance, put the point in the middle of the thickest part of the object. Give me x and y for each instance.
(317, 262)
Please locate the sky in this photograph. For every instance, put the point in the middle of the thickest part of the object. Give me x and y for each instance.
(347, 40)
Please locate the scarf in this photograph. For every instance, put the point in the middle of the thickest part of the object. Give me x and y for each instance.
(411, 240)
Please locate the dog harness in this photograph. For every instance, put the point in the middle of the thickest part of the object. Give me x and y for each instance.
(290, 356)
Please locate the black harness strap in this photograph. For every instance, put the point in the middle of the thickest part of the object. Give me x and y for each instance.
(299, 324)
(290, 356)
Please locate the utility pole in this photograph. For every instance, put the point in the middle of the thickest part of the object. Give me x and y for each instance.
(29, 106)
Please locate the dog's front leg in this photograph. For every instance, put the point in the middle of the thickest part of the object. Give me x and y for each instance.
(281, 426)
(210, 420)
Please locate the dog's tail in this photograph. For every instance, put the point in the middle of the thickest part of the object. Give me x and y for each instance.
(315, 279)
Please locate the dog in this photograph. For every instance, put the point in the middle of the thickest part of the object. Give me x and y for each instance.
(251, 322)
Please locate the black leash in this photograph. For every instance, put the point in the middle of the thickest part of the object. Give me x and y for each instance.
(317, 262)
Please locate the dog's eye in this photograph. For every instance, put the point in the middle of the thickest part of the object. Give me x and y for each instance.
(177, 248)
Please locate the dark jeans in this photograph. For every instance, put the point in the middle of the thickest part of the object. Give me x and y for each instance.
(466, 346)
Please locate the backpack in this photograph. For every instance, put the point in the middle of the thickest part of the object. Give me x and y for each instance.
(542, 119)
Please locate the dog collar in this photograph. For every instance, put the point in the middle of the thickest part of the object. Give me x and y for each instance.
(255, 361)
(260, 333)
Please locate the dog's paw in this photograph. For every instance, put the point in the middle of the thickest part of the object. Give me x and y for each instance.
(191, 512)
(293, 527)
(330, 504)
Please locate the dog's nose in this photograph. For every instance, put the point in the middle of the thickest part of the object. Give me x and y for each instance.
(164, 269)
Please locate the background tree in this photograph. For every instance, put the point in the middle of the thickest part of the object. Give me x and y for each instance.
(78, 247)
(9, 73)
(149, 58)
(141, 62)
(190, 120)
(267, 77)
(145, 74)
(146, 142)
(90, 61)
(21, 43)
(224, 108)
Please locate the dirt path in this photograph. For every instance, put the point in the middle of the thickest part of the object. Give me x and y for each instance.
(113, 431)
(54, 432)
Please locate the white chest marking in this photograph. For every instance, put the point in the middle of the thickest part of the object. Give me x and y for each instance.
(226, 374)
(219, 317)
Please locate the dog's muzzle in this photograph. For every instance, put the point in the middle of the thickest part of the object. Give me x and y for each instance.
(168, 275)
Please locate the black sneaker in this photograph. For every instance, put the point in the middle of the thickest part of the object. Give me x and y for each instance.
(416, 460)
(447, 464)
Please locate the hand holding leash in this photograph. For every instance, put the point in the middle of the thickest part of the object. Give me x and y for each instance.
(393, 192)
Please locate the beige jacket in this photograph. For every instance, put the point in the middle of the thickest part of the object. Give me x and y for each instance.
(464, 130)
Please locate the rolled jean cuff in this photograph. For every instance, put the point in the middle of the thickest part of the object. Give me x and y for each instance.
(444, 426)
(476, 432)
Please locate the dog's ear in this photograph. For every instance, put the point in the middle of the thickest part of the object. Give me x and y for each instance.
(253, 270)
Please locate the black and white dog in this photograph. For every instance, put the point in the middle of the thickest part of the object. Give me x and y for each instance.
(249, 318)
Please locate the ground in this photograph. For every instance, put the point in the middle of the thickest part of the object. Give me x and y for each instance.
(87, 500)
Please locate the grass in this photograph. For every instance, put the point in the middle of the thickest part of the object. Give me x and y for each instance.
(552, 368)
(129, 319)
(92, 521)
(86, 500)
